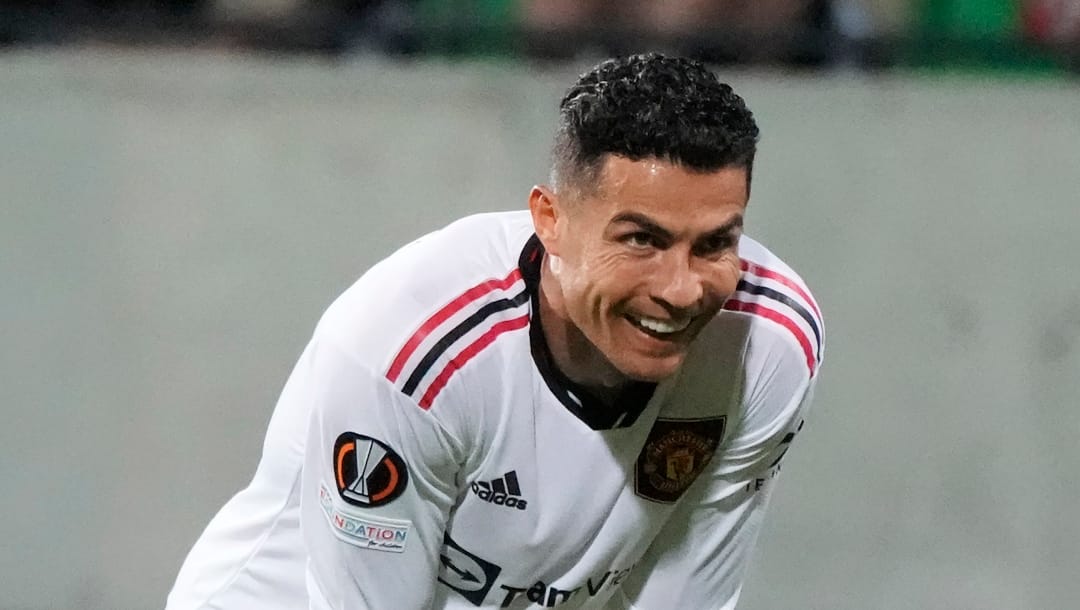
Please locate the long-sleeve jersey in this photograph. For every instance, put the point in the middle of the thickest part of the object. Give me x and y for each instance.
(427, 453)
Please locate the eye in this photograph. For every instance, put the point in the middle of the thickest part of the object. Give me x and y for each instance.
(715, 244)
(639, 239)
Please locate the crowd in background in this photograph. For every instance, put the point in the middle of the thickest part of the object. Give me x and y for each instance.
(786, 32)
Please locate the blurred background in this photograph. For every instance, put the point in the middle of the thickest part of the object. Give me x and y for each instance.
(1034, 35)
(185, 185)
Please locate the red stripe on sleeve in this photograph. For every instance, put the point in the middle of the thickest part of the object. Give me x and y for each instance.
(760, 271)
(443, 314)
(781, 319)
(467, 354)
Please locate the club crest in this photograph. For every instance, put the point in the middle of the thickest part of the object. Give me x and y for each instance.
(675, 453)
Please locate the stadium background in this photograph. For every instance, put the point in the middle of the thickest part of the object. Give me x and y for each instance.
(185, 186)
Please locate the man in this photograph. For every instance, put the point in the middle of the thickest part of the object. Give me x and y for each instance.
(581, 406)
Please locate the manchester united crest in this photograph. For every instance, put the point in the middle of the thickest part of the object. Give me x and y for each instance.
(675, 453)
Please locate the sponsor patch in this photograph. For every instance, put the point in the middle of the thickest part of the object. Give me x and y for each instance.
(367, 472)
(366, 532)
(466, 573)
(675, 453)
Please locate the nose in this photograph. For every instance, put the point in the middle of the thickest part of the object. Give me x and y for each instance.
(681, 287)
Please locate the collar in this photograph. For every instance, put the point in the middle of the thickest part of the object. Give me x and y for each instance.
(579, 401)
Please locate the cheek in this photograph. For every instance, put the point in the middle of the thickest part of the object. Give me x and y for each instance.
(726, 279)
(603, 278)
(617, 274)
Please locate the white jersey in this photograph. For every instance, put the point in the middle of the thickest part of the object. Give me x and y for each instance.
(425, 452)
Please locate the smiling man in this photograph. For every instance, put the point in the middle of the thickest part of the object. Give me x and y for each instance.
(638, 264)
(582, 406)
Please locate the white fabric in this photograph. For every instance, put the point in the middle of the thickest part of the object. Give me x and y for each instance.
(584, 539)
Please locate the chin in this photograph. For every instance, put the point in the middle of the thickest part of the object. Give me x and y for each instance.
(652, 370)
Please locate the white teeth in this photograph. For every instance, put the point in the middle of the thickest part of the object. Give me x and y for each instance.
(663, 326)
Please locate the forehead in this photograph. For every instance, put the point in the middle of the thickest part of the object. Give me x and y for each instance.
(668, 192)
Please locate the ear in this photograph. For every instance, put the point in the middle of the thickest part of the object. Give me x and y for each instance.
(547, 217)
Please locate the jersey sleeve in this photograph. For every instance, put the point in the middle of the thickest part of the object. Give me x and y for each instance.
(378, 484)
(700, 556)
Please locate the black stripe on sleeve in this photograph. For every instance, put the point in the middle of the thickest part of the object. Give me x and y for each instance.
(795, 306)
(458, 332)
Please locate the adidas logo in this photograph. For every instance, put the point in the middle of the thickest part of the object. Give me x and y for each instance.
(501, 491)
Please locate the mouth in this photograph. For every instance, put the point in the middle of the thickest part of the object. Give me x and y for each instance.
(659, 328)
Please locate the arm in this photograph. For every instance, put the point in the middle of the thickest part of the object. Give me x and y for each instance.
(377, 487)
(699, 559)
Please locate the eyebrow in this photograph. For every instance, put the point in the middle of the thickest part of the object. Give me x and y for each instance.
(650, 225)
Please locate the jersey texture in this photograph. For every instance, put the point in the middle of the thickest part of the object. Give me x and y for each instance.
(426, 453)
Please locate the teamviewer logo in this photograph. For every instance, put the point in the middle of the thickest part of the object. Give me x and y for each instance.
(501, 491)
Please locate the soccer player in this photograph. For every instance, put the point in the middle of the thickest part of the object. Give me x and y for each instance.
(578, 406)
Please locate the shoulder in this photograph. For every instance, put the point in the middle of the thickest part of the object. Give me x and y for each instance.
(421, 305)
(779, 305)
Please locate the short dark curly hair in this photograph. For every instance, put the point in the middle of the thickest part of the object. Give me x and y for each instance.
(651, 106)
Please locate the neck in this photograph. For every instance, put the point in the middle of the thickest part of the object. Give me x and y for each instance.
(571, 351)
